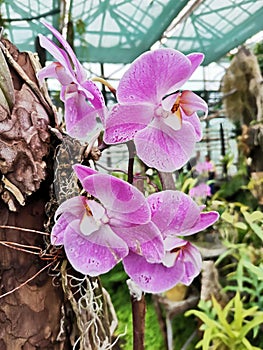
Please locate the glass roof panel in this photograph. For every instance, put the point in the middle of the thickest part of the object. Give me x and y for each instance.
(117, 31)
(215, 27)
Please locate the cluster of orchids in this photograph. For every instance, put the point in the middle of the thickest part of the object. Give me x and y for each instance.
(114, 222)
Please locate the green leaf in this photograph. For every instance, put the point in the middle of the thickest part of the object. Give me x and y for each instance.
(251, 324)
(6, 83)
(227, 217)
(241, 225)
(238, 317)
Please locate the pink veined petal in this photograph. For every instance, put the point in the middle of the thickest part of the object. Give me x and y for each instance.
(192, 260)
(83, 171)
(152, 278)
(173, 212)
(80, 117)
(124, 121)
(153, 75)
(163, 148)
(190, 103)
(74, 206)
(58, 230)
(205, 220)
(114, 194)
(80, 71)
(144, 240)
(96, 255)
(195, 122)
(196, 58)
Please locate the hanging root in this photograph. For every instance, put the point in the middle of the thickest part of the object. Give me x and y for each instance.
(95, 316)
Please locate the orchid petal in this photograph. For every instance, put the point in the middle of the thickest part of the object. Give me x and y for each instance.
(57, 71)
(59, 54)
(88, 225)
(114, 194)
(97, 101)
(173, 211)
(79, 116)
(169, 101)
(144, 240)
(152, 278)
(205, 220)
(57, 233)
(195, 122)
(123, 122)
(80, 71)
(196, 58)
(190, 103)
(74, 206)
(163, 148)
(174, 120)
(83, 171)
(192, 260)
(153, 75)
(96, 255)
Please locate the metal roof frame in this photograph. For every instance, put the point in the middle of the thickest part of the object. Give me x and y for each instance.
(118, 31)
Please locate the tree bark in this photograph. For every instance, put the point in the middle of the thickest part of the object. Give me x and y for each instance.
(44, 303)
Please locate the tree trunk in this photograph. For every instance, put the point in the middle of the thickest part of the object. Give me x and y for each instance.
(44, 304)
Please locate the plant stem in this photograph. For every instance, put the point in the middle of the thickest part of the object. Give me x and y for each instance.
(132, 152)
(138, 319)
(167, 181)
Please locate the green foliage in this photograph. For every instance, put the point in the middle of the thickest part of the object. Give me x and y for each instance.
(228, 327)
(114, 282)
(238, 224)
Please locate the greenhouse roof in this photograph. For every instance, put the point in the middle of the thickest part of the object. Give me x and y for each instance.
(117, 31)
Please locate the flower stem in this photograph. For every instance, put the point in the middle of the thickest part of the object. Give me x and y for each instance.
(138, 319)
(167, 181)
(132, 151)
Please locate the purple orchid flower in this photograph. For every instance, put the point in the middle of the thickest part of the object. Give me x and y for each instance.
(82, 98)
(98, 231)
(200, 191)
(177, 216)
(150, 109)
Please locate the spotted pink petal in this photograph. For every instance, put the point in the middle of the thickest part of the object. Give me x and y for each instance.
(163, 148)
(144, 240)
(153, 75)
(115, 194)
(96, 254)
(123, 122)
(152, 278)
(173, 211)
